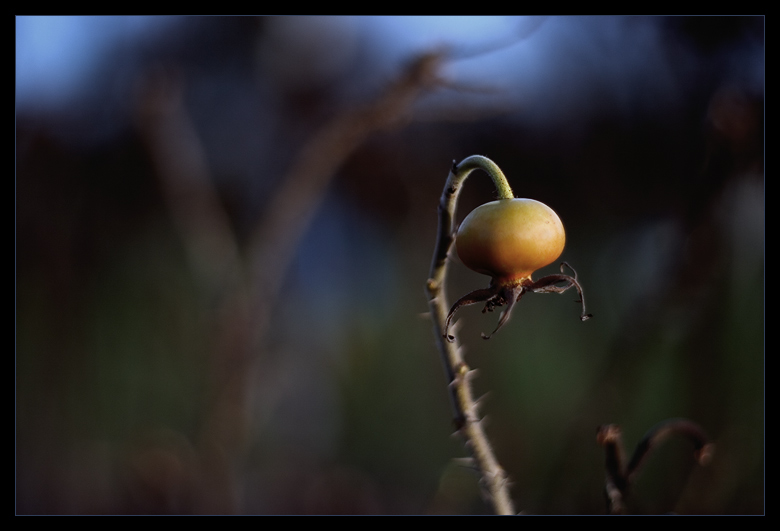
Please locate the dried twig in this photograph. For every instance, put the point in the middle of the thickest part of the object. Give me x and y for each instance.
(620, 476)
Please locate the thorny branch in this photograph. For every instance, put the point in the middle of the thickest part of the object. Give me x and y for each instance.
(493, 477)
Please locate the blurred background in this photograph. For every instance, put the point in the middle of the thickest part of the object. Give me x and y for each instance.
(224, 227)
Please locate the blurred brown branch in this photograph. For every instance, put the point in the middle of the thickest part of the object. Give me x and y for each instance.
(620, 475)
(273, 243)
(246, 295)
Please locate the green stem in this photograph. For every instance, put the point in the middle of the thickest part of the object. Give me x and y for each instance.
(478, 162)
(459, 376)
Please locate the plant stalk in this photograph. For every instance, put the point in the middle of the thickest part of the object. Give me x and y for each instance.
(493, 477)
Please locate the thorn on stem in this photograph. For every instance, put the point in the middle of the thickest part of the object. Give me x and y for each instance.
(704, 455)
(465, 462)
(480, 401)
(459, 422)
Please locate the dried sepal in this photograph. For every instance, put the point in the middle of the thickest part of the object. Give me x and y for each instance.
(498, 295)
